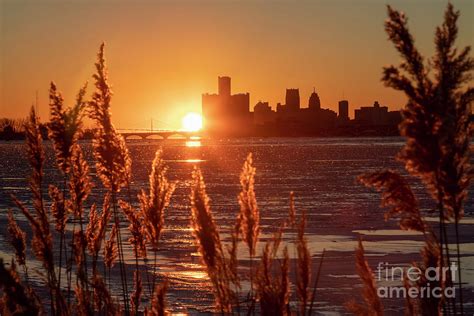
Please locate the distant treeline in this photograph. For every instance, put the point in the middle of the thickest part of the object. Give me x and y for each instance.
(14, 129)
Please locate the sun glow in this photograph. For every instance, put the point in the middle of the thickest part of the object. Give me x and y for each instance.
(192, 122)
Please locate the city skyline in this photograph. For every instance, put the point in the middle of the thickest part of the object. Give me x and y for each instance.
(160, 66)
(230, 115)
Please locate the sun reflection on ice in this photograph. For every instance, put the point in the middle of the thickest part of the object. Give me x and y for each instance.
(193, 143)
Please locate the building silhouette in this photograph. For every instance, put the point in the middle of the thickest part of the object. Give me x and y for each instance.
(343, 110)
(314, 103)
(263, 114)
(376, 115)
(227, 115)
(292, 100)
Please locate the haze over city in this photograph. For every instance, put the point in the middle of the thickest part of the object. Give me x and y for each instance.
(236, 157)
(164, 55)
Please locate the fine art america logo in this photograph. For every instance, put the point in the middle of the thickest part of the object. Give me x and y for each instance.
(434, 277)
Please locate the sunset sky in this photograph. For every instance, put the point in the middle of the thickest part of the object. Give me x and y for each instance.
(163, 55)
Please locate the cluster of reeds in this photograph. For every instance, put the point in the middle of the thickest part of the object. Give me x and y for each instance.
(14, 125)
(63, 213)
(90, 236)
(81, 248)
(437, 131)
(269, 290)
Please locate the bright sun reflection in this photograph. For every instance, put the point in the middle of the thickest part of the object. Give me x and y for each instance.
(193, 143)
(192, 122)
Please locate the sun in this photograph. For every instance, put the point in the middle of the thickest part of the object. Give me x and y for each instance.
(192, 122)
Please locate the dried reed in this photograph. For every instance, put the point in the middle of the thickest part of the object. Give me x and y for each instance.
(209, 243)
(273, 290)
(397, 193)
(135, 298)
(137, 240)
(42, 237)
(17, 300)
(65, 125)
(304, 266)
(158, 303)
(249, 214)
(102, 298)
(111, 248)
(435, 119)
(17, 239)
(372, 305)
(153, 206)
(96, 230)
(113, 163)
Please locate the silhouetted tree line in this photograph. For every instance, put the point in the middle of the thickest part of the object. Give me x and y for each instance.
(14, 129)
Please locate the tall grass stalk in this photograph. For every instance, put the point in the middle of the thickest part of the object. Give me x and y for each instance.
(436, 118)
(153, 206)
(209, 243)
(113, 164)
(249, 213)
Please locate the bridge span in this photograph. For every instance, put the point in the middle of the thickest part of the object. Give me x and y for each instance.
(164, 134)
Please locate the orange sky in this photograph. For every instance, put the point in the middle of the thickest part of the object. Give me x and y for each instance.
(163, 55)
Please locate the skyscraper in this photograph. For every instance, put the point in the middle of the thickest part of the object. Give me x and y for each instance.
(344, 110)
(292, 99)
(225, 114)
(224, 85)
(314, 103)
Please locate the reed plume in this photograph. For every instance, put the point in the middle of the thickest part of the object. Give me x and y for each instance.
(153, 205)
(411, 306)
(292, 211)
(158, 303)
(209, 243)
(17, 299)
(249, 214)
(102, 298)
(111, 248)
(138, 243)
(92, 228)
(397, 194)
(80, 184)
(304, 266)
(372, 305)
(435, 119)
(273, 288)
(58, 208)
(431, 259)
(79, 258)
(42, 243)
(65, 125)
(135, 298)
(64, 130)
(96, 229)
(136, 239)
(113, 163)
(17, 239)
(233, 260)
(79, 189)
(82, 307)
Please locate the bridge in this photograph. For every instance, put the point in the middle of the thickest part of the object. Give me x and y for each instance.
(164, 134)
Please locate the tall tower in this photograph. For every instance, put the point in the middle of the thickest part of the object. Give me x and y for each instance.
(314, 102)
(292, 99)
(344, 109)
(224, 86)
